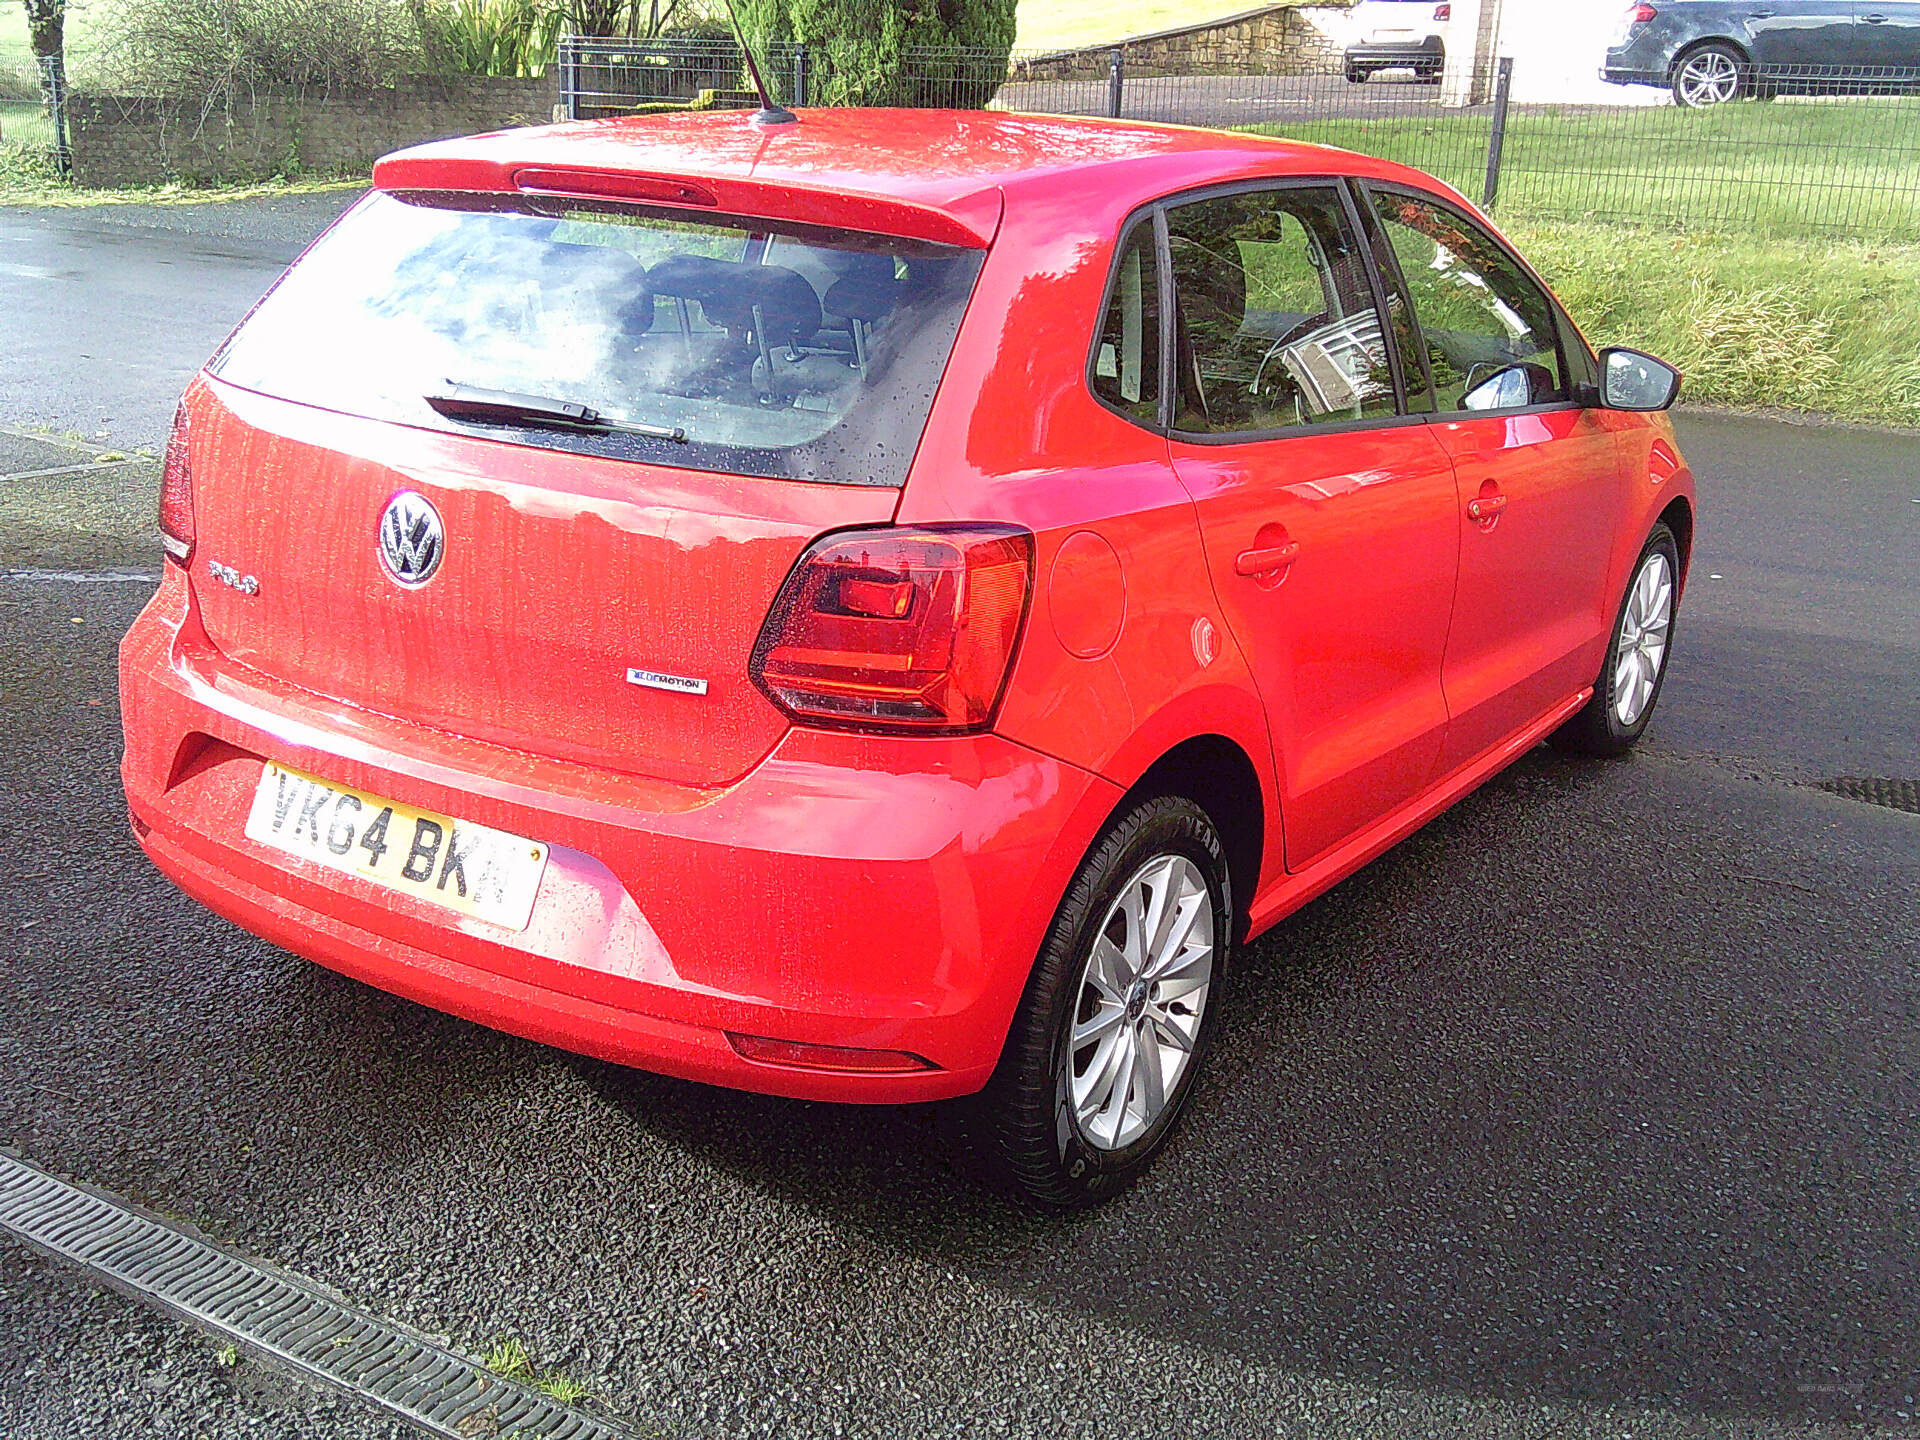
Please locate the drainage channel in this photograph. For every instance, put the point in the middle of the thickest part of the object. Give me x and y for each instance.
(277, 1315)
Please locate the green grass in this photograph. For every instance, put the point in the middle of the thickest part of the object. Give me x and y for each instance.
(1825, 327)
(16, 55)
(508, 1359)
(1770, 251)
(27, 175)
(1070, 24)
(1796, 167)
(1044, 25)
(26, 153)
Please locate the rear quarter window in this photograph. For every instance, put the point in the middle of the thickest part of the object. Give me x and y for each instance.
(782, 351)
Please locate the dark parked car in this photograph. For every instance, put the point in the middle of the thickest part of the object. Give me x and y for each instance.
(1711, 51)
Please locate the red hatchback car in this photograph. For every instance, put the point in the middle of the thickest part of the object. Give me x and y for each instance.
(874, 609)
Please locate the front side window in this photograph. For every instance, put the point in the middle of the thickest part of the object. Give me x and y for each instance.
(783, 351)
(1488, 328)
(1126, 356)
(1275, 320)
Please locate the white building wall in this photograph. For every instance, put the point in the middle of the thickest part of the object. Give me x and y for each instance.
(1557, 47)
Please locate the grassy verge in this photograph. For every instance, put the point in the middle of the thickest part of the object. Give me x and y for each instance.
(1068, 24)
(27, 176)
(1795, 167)
(1830, 328)
(26, 153)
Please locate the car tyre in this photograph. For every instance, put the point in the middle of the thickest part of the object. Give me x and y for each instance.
(1712, 74)
(1356, 75)
(1628, 686)
(1047, 1135)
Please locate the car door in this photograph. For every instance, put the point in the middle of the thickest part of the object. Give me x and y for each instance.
(1801, 32)
(1329, 517)
(1887, 33)
(1538, 476)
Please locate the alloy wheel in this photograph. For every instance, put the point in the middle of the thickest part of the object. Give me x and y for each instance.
(1709, 78)
(1642, 645)
(1141, 1000)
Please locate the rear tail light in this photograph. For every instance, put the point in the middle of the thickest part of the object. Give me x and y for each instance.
(176, 492)
(1641, 14)
(898, 629)
(1443, 12)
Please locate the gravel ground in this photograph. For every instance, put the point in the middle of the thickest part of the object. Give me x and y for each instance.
(85, 1364)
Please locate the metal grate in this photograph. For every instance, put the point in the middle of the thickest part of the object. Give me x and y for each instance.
(277, 1315)
(1875, 790)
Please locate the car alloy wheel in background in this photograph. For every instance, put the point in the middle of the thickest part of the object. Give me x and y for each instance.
(1711, 75)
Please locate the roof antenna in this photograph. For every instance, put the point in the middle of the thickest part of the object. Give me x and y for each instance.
(770, 112)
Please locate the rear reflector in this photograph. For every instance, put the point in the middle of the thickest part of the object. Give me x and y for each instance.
(825, 1057)
(898, 629)
(176, 492)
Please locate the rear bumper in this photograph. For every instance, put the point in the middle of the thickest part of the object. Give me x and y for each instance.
(1643, 60)
(1429, 53)
(1622, 75)
(851, 891)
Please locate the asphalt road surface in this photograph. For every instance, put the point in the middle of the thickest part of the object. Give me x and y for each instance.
(1588, 1111)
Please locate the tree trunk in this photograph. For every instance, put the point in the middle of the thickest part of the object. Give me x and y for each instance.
(47, 34)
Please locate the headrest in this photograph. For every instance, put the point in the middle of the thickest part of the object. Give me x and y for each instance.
(728, 291)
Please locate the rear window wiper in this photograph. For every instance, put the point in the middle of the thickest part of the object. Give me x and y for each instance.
(510, 407)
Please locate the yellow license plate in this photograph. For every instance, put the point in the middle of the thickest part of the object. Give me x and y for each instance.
(485, 873)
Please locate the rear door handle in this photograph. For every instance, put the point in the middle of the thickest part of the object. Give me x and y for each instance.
(1266, 560)
(1874, 19)
(1486, 507)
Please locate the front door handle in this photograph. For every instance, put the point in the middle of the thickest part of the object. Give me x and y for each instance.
(1266, 559)
(1874, 19)
(1487, 507)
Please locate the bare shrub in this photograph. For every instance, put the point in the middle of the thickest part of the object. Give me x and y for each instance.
(214, 51)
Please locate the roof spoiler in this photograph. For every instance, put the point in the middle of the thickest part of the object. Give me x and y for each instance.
(971, 221)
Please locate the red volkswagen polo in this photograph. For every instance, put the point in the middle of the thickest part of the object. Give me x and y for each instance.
(876, 608)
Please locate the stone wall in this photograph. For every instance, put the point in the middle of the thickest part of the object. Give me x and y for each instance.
(120, 140)
(1272, 40)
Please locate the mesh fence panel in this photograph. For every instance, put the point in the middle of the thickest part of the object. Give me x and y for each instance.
(1814, 151)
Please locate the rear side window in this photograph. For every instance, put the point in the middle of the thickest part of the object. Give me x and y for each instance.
(1275, 321)
(1126, 357)
(1490, 335)
(788, 352)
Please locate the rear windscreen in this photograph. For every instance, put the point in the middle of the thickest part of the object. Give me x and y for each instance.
(785, 351)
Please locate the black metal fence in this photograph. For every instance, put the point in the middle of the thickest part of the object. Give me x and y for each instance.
(1815, 151)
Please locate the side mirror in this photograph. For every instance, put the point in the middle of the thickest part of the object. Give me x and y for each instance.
(1630, 380)
(1512, 387)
